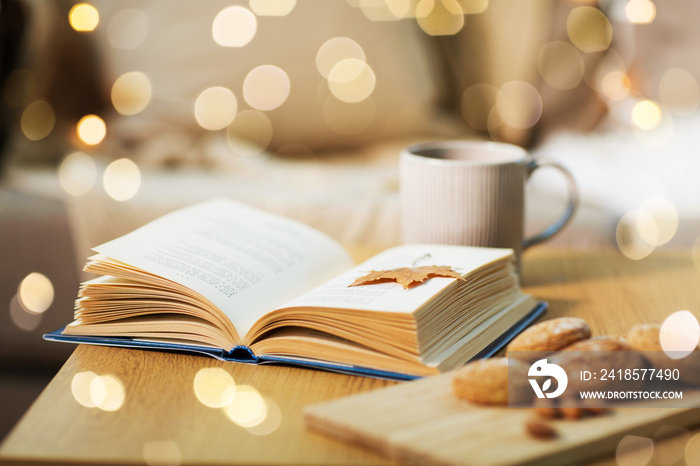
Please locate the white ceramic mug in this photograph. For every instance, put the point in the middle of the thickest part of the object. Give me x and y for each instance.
(471, 193)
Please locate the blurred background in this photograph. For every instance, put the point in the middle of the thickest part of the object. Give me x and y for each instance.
(113, 113)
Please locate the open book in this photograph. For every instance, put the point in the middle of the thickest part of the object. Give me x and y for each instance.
(241, 284)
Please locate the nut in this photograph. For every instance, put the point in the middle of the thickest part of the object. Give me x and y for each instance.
(540, 430)
(550, 335)
(486, 381)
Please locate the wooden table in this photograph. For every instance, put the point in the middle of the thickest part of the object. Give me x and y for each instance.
(162, 422)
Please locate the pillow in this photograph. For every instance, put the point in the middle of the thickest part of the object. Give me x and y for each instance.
(322, 76)
(518, 73)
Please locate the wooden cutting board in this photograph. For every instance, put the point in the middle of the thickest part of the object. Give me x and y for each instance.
(423, 421)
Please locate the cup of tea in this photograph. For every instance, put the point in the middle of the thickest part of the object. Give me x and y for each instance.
(472, 193)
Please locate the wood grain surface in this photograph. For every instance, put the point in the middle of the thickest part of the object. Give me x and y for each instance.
(423, 422)
(162, 421)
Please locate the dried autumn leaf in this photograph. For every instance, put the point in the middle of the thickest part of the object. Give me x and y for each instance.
(407, 276)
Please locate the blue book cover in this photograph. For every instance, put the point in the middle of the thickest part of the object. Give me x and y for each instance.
(243, 354)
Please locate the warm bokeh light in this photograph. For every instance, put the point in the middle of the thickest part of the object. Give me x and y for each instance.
(665, 218)
(214, 387)
(473, 7)
(127, 29)
(615, 85)
(23, 320)
(376, 10)
(91, 129)
(679, 92)
(335, 50)
(647, 228)
(348, 119)
(659, 136)
(121, 179)
(640, 11)
(634, 451)
(440, 17)
(351, 80)
(272, 421)
(19, 88)
(610, 62)
(77, 174)
(560, 64)
(131, 93)
(234, 26)
(692, 450)
(38, 120)
(248, 408)
(629, 240)
(80, 387)
(249, 133)
(589, 29)
(669, 445)
(107, 392)
(680, 334)
(215, 108)
(35, 293)
(162, 453)
(519, 104)
(272, 7)
(83, 17)
(476, 104)
(401, 8)
(646, 115)
(266, 87)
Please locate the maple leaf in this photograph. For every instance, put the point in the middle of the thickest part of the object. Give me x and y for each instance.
(407, 276)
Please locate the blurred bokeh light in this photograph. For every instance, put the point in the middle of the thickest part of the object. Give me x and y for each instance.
(77, 174)
(440, 17)
(248, 408)
(634, 451)
(215, 108)
(640, 11)
(214, 387)
(680, 334)
(335, 50)
(234, 26)
(83, 17)
(38, 120)
(121, 179)
(272, 7)
(35, 293)
(266, 87)
(589, 29)
(131, 93)
(91, 129)
(351, 80)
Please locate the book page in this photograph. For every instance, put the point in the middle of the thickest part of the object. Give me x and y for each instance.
(392, 297)
(247, 262)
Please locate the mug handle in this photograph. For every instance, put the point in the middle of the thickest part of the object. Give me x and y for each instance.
(571, 207)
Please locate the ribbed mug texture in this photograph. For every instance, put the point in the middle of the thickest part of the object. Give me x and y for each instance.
(472, 194)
